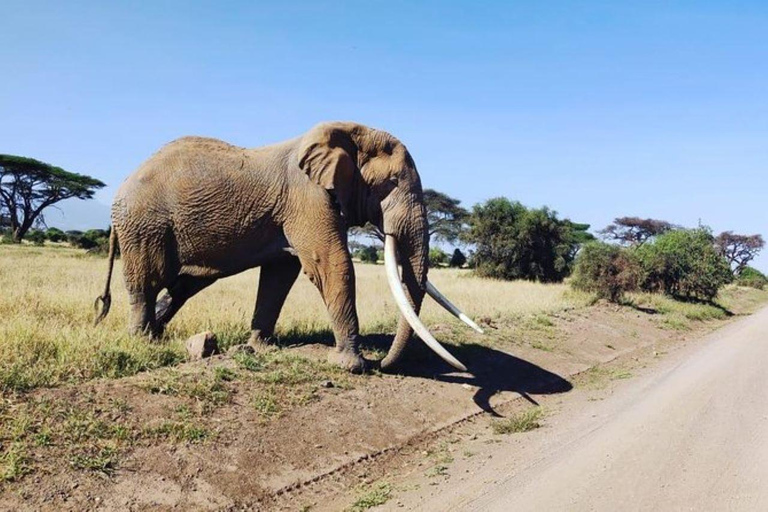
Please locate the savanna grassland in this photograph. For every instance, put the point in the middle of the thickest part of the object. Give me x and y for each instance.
(81, 403)
(47, 337)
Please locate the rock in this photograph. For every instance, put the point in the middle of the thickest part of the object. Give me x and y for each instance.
(241, 349)
(327, 384)
(202, 345)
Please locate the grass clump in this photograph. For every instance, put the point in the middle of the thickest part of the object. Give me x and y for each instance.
(523, 422)
(179, 431)
(101, 460)
(14, 463)
(598, 377)
(209, 389)
(372, 497)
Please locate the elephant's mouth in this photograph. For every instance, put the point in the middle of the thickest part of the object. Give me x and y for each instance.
(395, 285)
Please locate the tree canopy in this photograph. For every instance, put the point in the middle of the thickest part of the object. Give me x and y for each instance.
(28, 186)
(447, 219)
(738, 250)
(514, 242)
(634, 230)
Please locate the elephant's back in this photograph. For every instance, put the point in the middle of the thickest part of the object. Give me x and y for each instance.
(206, 194)
(185, 164)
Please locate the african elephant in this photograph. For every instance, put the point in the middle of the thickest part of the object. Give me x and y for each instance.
(201, 209)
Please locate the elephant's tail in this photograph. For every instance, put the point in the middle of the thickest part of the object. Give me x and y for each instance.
(106, 298)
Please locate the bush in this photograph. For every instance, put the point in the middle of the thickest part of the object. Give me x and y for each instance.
(36, 236)
(55, 235)
(437, 257)
(607, 270)
(6, 236)
(368, 254)
(752, 278)
(93, 240)
(457, 259)
(514, 242)
(684, 263)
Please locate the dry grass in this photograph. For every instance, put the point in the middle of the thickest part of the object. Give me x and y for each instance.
(523, 422)
(46, 306)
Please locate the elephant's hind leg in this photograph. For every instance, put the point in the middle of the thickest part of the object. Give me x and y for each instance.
(275, 281)
(142, 312)
(178, 293)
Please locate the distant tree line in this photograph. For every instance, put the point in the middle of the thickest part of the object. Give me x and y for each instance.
(657, 256)
(93, 240)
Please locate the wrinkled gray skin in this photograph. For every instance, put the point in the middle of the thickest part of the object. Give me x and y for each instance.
(201, 209)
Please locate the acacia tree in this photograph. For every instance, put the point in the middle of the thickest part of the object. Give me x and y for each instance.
(738, 250)
(28, 186)
(447, 218)
(634, 230)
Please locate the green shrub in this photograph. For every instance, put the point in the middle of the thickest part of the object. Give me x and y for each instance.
(684, 263)
(607, 270)
(515, 242)
(368, 254)
(55, 235)
(36, 236)
(753, 278)
(457, 259)
(96, 240)
(437, 257)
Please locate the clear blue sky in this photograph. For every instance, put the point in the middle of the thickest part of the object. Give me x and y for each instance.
(597, 109)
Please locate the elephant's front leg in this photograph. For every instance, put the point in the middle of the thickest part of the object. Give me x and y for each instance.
(335, 278)
(275, 281)
(327, 263)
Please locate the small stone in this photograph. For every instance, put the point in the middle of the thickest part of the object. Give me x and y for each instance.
(202, 345)
(327, 384)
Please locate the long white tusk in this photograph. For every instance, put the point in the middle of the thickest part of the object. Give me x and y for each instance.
(390, 262)
(443, 301)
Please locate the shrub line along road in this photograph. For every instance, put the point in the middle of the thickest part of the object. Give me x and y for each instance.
(691, 434)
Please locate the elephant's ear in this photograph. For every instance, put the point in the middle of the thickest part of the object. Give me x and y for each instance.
(327, 156)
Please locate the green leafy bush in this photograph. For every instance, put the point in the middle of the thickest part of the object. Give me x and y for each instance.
(36, 236)
(753, 278)
(684, 263)
(514, 242)
(55, 235)
(437, 257)
(607, 270)
(93, 240)
(368, 254)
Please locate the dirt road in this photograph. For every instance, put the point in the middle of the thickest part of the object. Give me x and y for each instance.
(690, 434)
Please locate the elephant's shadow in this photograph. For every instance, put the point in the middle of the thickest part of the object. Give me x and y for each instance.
(491, 371)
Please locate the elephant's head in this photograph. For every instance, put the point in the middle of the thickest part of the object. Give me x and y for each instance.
(373, 178)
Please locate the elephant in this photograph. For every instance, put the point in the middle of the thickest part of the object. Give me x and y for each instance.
(201, 209)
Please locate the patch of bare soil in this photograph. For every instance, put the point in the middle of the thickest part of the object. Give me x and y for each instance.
(212, 436)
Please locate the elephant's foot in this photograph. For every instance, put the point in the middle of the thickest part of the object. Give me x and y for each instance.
(259, 342)
(348, 360)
